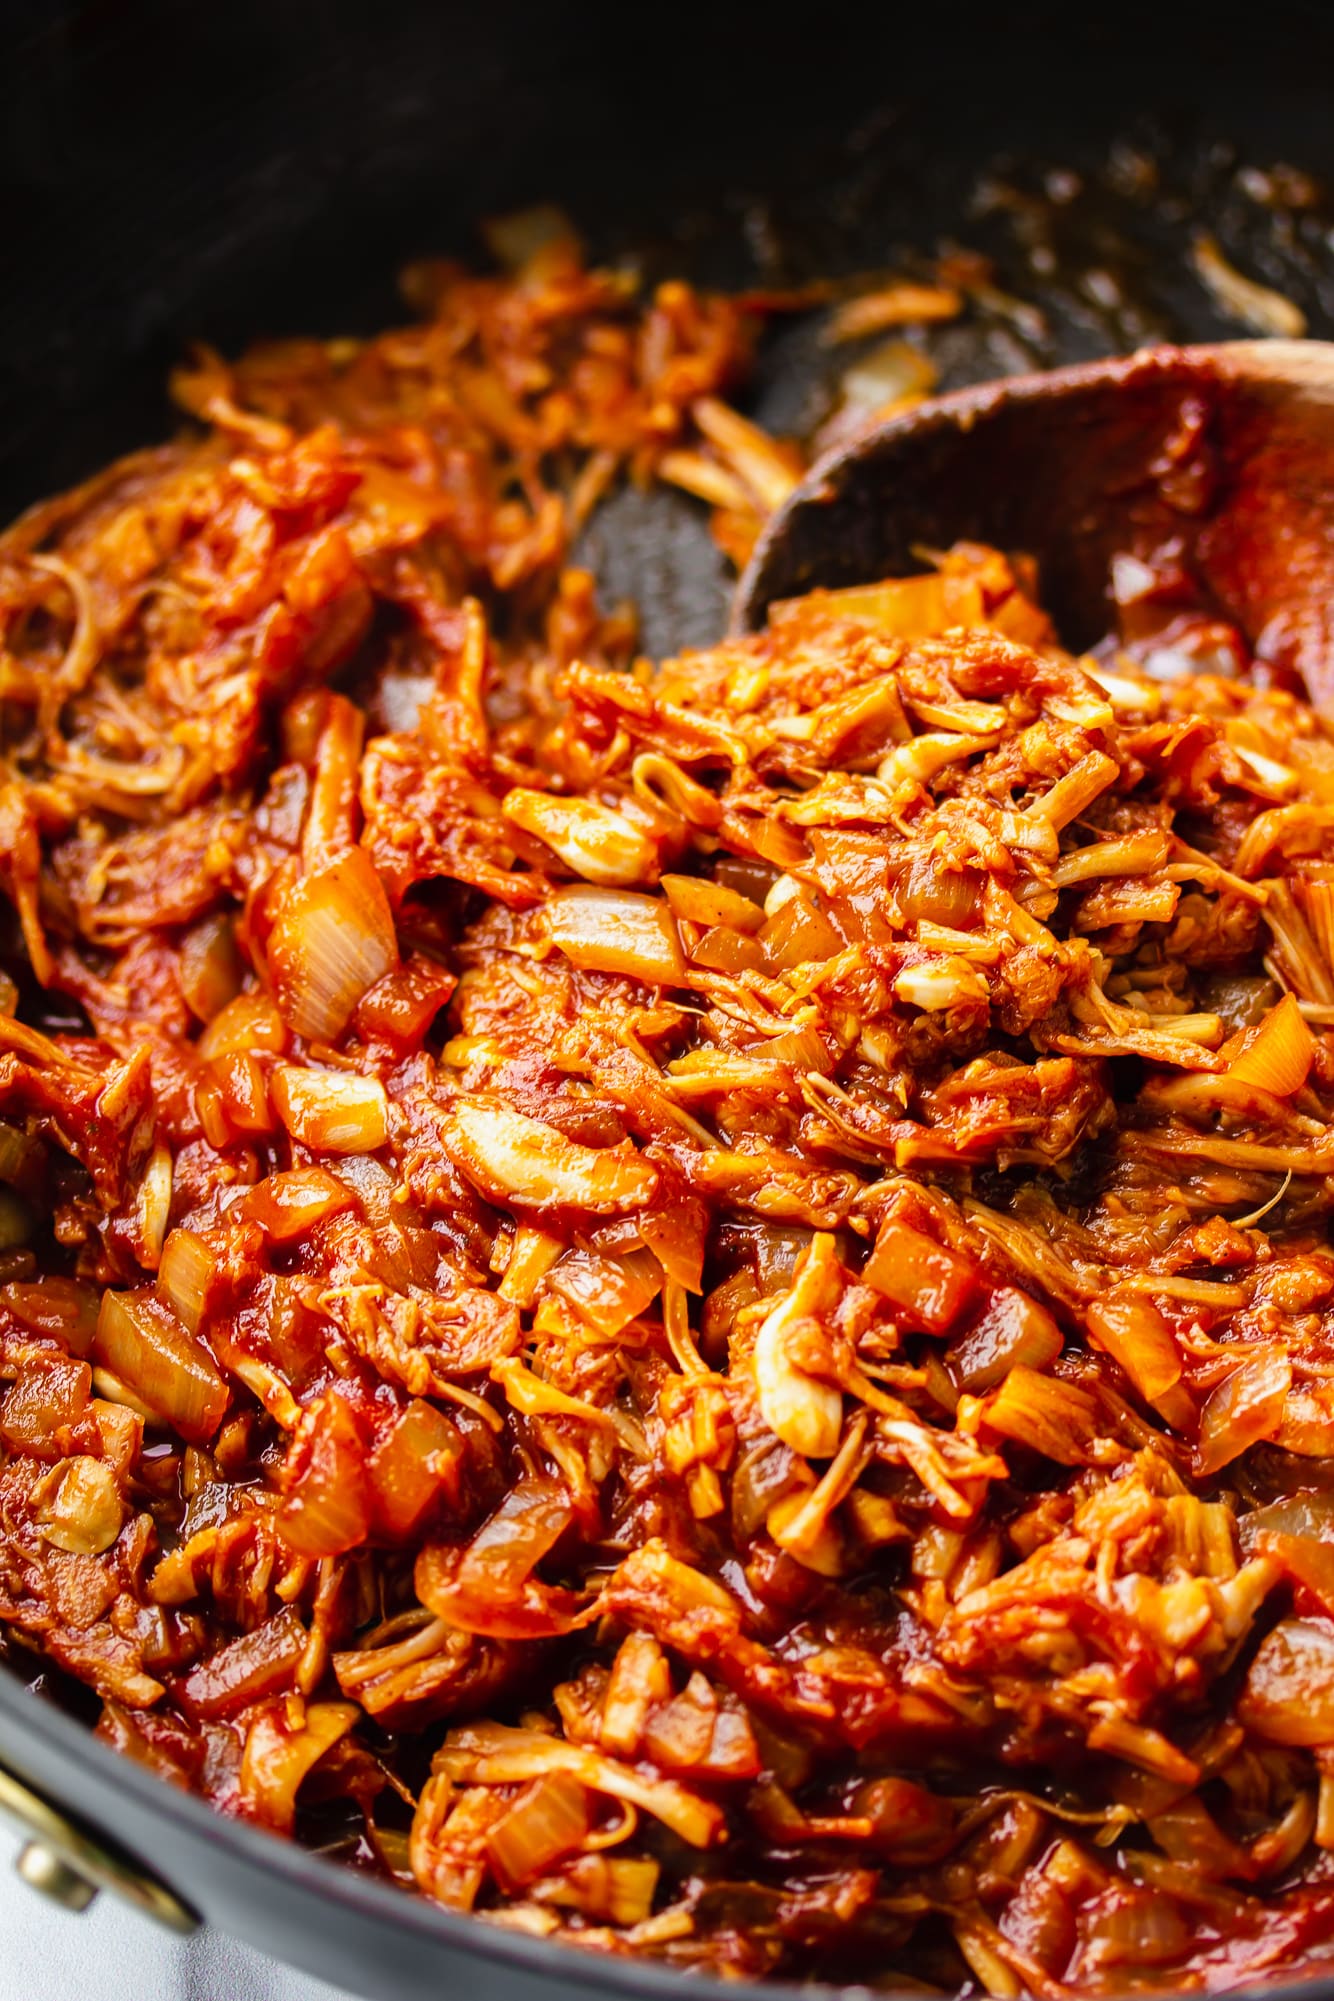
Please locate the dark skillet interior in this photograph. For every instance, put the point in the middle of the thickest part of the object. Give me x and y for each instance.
(265, 167)
(170, 171)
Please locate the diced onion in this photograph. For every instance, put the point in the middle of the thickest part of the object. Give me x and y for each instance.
(258, 1664)
(333, 940)
(1278, 1056)
(798, 933)
(327, 1509)
(402, 1006)
(548, 1821)
(617, 931)
(145, 1345)
(1049, 1415)
(723, 950)
(533, 1253)
(248, 1024)
(802, 1048)
(1308, 1515)
(1299, 1531)
(1247, 1406)
(277, 1757)
(186, 1275)
(1013, 1329)
(64, 1308)
(920, 1277)
(1133, 1332)
(938, 895)
(677, 1234)
(414, 1467)
(331, 1111)
(608, 1292)
(43, 1405)
(289, 1205)
(489, 1586)
(708, 903)
(1137, 1928)
(1289, 1692)
(210, 966)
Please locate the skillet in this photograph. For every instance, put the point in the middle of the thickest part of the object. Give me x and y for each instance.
(170, 171)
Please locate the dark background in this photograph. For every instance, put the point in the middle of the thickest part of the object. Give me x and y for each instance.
(171, 170)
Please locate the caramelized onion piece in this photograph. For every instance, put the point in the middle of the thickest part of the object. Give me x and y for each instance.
(248, 1025)
(1299, 1533)
(334, 938)
(288, 1206)
(64, 1308)
(1132, 1330)
(332, 1111)
(700, 901)
(511, 1158)
(1289, 1692)
(255, 1665)
(617, 931)
(607, 1292)
(923, 1279)
(328, 1503)
(187, 1276)
(1278, 1056)
(804, 1412)
(1013, 1329)
(211, 969)
(416, 1465)
(488, 1587)
(597, 842)
(144, 1344)
(1055, 1418)
(44, 1405)
(550, 1819)
(278, 1756)
(1247, 1406)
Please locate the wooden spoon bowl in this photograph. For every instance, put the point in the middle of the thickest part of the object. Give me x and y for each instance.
(1227, 452)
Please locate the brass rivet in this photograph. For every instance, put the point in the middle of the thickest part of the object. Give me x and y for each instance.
(69, 1863)
(42, 1869)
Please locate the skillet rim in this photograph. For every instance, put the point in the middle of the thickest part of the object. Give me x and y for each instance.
(318, 1878)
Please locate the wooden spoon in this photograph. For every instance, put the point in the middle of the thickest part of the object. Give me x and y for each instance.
(1226, 452)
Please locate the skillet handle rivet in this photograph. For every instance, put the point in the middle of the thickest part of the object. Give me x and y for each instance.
(42, 1869)
(70, 1863)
